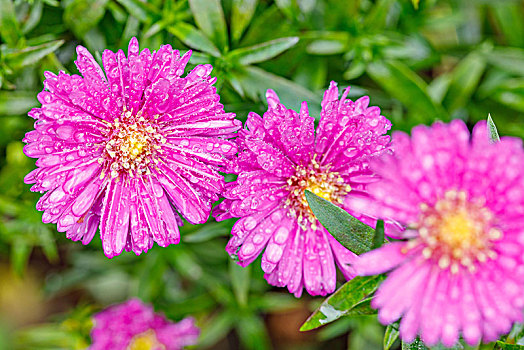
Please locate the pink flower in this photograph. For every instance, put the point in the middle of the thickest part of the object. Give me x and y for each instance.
(460, 268)
(133, 326)
(279, 158)
(122, 151)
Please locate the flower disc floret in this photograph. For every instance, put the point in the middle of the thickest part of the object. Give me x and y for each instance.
(318, 180)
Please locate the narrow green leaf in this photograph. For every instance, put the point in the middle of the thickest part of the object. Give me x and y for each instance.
(193, 38)
(419, 345)
(415, 345)
(141, 10)
(241, 14)
(510, 93)
(271, 302)
(34, 17)
(376, 19)
(264, 51)
(82, 15)
(20, 251)
(240, 281)
(9, 27)
(516, 335)
(493, 133)
(350, 232)
(464, 81)
(30, 55)
(510, 19)
(415, 3)
(343, 301)
(255, 81)
(327, 46)
(210, 18)
(216, 328)
(509, 59)
(16, 102)
(499, 345)
(390, 336)
(253, 332)
(406, 86)
(378, 238)
(207, 232)
(289, 7)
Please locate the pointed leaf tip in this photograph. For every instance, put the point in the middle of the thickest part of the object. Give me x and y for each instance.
(493, 133)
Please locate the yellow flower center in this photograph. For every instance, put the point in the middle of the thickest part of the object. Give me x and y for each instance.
(145, 341)
(456, 232)
(318, 180)
(133, 144)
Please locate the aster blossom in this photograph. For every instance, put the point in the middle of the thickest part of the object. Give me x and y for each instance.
(135, 326)
(128, 149)
(279, 158)
(459, 269)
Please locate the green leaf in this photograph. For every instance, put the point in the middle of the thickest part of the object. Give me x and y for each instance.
(378, 238)
(350, 232)
(264, 51)
(16, 102)
(30, 55)
(509, 59)
(207, 232)
(9, 27)
(415, 3)
(141, 10)
(252, 332)
(241, 14)
(417, 344)
(216, 328)
(34, 17)
(82, 15)
(390, 336)
(289, 7)
(20, 255)
(510, 93)
(271, 302)
(193, 38)
(343, 301)
(406, 86)
(511, 22)
(464, 81)
(493, 133)
(255, 81)
(240, 281)
(327, 43)
(499, 345)
(376, 19)
(210, 18)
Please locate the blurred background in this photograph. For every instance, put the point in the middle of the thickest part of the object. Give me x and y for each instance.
(420, 61)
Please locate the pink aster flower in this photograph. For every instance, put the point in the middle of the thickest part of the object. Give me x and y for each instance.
(128, 149)
(460, 268)
(279, 157)
(135, 326)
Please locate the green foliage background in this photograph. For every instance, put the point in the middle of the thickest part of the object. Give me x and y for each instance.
(418, 61)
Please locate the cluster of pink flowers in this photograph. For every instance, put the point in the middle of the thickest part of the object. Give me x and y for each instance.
(132, 150)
